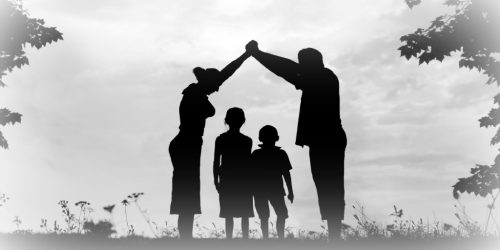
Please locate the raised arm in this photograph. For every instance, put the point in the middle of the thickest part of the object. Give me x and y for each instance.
(280, 66)
(216, 169)
(229, 70)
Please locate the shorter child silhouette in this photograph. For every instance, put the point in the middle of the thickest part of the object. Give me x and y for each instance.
(231, 169)
(270, 165)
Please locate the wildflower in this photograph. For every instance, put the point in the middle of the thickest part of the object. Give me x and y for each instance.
(397, 213)
(109, 208)
(63, 203)
(82, 204)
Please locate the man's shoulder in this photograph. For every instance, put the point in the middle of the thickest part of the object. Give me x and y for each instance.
(329, 73)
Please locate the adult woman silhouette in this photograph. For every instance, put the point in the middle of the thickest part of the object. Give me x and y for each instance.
(185, 148)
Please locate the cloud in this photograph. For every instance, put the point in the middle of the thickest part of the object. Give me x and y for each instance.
(412, 160)
(409, 114)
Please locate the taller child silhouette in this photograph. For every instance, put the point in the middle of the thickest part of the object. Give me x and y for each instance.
(185, 148)
(231, 172)
(319, 125)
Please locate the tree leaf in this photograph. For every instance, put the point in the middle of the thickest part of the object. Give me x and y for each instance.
(425, 57)
(3, 142)
(6, 116)
(496, 99)
(496, 138)
(483, 181)
(412, 3)
(490, 80)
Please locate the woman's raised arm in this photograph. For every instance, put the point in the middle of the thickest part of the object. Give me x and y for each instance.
(229, 70)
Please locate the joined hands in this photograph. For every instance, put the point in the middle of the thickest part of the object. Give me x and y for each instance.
(252, 47)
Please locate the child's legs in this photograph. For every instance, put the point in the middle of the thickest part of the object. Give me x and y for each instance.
(185, 226)
(245, 225)
(280, 227)
(279, 206)
(262, 207)
(229, 227)
(264, 226)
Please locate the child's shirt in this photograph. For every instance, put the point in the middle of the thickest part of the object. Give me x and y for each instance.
(269, 163)
(235, 149)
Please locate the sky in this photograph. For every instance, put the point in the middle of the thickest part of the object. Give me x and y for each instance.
(101, 107)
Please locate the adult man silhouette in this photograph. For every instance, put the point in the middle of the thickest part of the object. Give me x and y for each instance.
(319, 125)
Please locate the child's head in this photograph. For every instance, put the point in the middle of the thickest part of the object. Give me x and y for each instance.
(268, 134)
(235, 117)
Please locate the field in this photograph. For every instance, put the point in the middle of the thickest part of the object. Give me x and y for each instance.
(78, 230)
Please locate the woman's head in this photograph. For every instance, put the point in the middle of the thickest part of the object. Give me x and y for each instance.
(208, 79)
(235, 117)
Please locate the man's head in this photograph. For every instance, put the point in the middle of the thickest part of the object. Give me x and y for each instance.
(208, 78)
(268, 135)
(310, 59)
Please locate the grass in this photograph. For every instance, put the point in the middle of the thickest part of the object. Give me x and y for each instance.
(79, 232)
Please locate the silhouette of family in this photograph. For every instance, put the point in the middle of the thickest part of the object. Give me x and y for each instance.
(245, 179)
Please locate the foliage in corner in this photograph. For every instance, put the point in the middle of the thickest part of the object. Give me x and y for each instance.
(17, 30)
(471, 30)
(483, 180)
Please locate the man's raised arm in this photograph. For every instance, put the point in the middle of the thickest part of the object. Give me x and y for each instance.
(280, 66)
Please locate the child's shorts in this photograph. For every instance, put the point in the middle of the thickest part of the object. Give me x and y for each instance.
(278, 203)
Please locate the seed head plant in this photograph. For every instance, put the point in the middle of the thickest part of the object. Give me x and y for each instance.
(134, 197)
(3, 199)
(84, 209)
(69, 217)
